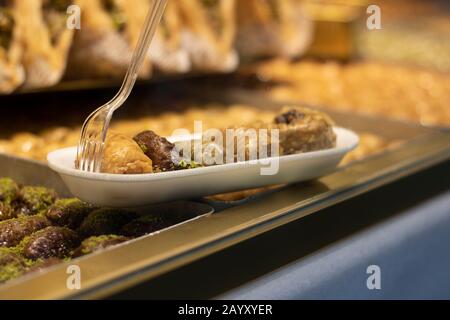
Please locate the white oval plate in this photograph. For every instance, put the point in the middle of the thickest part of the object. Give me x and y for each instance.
(138, 190)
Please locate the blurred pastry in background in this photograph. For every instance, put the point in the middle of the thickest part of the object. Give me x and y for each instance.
(272, 28)
(12, 73)
(370, 145)
(46, 40)
(104, 45)
(209, 35)
(368, 87)
(167, 52)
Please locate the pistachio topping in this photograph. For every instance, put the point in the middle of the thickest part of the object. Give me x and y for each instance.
(9, 190)
(34, 200)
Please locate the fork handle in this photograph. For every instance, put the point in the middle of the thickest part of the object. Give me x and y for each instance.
(151, 23)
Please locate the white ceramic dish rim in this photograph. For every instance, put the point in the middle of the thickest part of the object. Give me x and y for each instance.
(54, 164)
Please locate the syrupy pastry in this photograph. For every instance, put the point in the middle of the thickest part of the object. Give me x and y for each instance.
(209, 35)
(167, 52)
(33, 200)
(67, 229)
(105, 222)
(51, 242)
(68, 213)
(46, 39)
(158, 149)
(272, 28)
(12, 73)
(122, 155)
(13, 231)
(104, 46)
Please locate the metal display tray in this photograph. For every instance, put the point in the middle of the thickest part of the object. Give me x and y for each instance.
(111, 271)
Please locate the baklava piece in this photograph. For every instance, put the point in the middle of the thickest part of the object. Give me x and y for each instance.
(34, 200)
(304, 130)
(51, 242)
(13, 231)
(158, 149)
(68, 213)
(143, 226)
(296, 130)
(123, 155)
(105, 221)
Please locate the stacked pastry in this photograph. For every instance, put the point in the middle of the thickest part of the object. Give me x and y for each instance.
(104, 45)
(37, 48)
(33, 39)
(167, 52)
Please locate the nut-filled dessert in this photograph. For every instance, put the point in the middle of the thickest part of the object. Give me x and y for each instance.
(298, 130)
(38, 229)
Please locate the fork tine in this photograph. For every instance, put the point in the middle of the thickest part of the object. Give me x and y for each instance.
(98, 156)
(89, 152)
(92, 155)
(89, 155)
(81, 148)
(85, 156)
(80, 155)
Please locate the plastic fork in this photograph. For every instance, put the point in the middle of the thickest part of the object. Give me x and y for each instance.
(93, 133)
